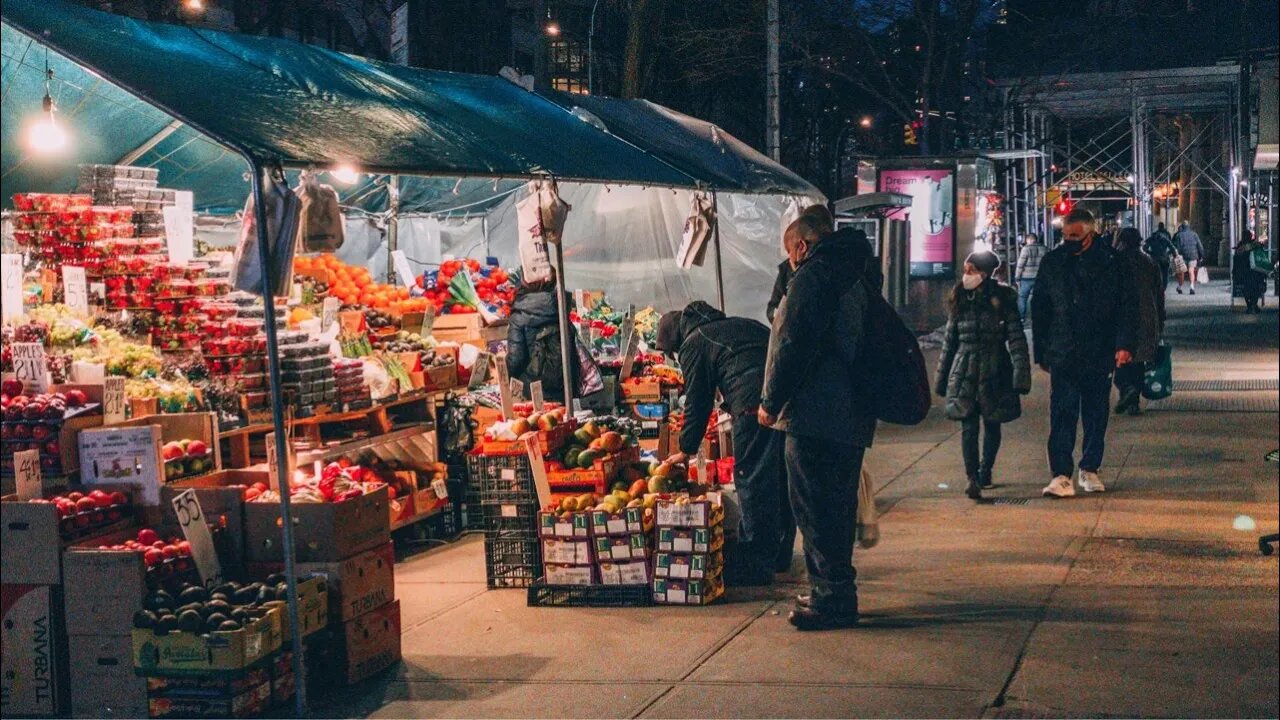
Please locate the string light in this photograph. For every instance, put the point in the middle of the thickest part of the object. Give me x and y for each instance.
(46, 136)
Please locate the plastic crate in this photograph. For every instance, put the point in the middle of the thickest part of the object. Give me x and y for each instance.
(512, 563)
(510, 520)
(543, 595)
(491, 467)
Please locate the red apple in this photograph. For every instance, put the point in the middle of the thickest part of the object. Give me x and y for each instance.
(85, 504)
(171, 451)
(119, 498)
(53, 447)
(147, 536)
(40, 431)
(33, 411)
(76, 398)
(21, 431)
(197, 448)
(152, 557)
(103, 500)
(11, 387)
(74, 496)
(169, 551)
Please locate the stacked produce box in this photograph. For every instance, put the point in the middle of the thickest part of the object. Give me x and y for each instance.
(688, 566)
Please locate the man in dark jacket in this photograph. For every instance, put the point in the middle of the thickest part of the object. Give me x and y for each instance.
(809, 395)
(1082, 322)
(825, 224)
(1160, 247)
(727, 354)
(1142, 274)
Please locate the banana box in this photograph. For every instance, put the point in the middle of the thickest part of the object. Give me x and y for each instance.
(565, 525)
(690, 540)
(557, 574)
(635, 572)
(688, 567)
(669, 591)
(684, 512)
(622, 547)
(567, 552)
(625, 522)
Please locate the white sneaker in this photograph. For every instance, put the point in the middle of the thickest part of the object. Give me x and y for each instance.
(1090, 483)
(1060, 487)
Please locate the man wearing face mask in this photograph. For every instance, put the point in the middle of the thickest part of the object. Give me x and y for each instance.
(1083, 322)
(726, 354)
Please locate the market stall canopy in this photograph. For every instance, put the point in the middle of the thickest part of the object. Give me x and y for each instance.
(698, 148)
(281, 100)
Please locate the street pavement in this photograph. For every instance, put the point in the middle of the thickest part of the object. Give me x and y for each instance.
(1149, 600)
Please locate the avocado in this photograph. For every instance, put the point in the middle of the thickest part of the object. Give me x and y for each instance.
(190, 621)
(275, 578)
(216, 606)
(193, 594)
(144, 619)
(245, 595)
(214, 620)
(229, 626)
(157, 600)
(166, 624)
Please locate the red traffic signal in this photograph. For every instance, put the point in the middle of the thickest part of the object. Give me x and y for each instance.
(1064, 206)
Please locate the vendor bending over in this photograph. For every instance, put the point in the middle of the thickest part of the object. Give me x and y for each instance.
(727, 354)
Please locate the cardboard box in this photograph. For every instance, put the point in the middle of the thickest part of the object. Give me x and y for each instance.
(185, 426)
(104, 684)
(624, 573)
(313, 610)
(568, 552)
(322, 532)
(549, 440)
(225, 686)
(32, 650)
(558, 574)
(690, 540)
(250, 703)
(622, 547)
(565, 525)
(442, 377)
(182, 652)
(626, 522)
(691, 514)
(688, 567)
(31, 540)
(358, 584)
(642, 390)
(371, 643)
(667, 591)
(104, 588)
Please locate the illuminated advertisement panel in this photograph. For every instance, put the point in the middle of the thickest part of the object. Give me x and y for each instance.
(931, 215)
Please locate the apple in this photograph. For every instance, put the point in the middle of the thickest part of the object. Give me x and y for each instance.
(21, 431)
(197, 448)
(152, 557)
(13, 412)
(55, 410)
(171, 451)
(76, 398)
(147, 536)
(119, 498)
(39, 432)
(81, 521)
(53, 447)
(74, 496)
(11, 387)
(103, 501)
(169, 551)
(33, 411)
(85, 504)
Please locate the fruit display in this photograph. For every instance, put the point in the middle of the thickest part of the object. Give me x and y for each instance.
(355, 286)
(224, 608)
(589, 443)
(463, 287)
(34, 422)
(186, 457)
(338, 481)
(401, 341)
(81, 514)
(167, 561)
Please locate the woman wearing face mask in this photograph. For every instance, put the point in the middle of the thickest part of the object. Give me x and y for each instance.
(984, 366)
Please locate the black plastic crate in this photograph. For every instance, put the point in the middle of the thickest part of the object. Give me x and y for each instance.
(544, 595)
(512, 563)
(491, 467)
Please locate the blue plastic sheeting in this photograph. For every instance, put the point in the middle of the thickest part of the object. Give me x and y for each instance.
(280, 100)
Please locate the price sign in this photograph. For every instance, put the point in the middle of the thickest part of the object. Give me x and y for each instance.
(428, 321)
(480, 372)
(701, 463)
(29, 366)
(535, 389)
(534, 448)
(75, 289)
(273, 479)
(11, 286)
(26, 468)
(401, 264)
(328, 313)
(113, 400)
(504, 387)
(517, 390)
(186, 506)
(179, 228)
(629, 353)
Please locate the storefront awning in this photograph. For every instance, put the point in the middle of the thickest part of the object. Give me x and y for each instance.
(280, 100)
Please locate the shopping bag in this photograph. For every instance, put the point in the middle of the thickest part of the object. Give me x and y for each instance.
(1202, 275)
(322, 222)
(866, 529)
(1260, 260)
(590, 380)
(1157, 381)
(697, 230)
(283, 211)
(540, 219)
(1179, 264)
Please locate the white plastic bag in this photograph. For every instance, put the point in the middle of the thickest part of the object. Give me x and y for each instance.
(1202, 274)
(283, 210)
(790, 214)
(866, 529)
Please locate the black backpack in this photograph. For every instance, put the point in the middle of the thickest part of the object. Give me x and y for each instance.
(889, 374)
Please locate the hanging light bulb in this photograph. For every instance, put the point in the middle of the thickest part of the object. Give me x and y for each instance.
(46, 136)
(345, 174)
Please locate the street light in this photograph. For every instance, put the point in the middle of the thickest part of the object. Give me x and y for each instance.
(553, 29)
(865, 121)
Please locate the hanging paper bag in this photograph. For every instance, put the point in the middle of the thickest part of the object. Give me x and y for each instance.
(697, 230)
(323, 228)
(532, 235)
(283, 209)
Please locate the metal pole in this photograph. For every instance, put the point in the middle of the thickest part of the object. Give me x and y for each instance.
(715, 208)
(393, 224)
(282, 438)
(562, 313)
(773, 121)
(591, 51)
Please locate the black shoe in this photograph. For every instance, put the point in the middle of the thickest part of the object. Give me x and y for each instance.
(807, 619)
(1179, 288)
(1193, 291)
(984, 479)
(973, 489)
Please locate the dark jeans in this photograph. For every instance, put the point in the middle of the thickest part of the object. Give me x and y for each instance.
(759, 476)
(787, 548)
(1025, 288)
(1129, 378)
(1077, 397)
(1164, 276)
(969, 444)
(824, 496)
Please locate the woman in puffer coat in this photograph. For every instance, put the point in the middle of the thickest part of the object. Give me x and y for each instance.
(984, 366)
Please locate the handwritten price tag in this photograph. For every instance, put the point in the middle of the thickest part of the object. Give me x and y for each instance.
(186, 506)
(29, 366)
(629, 353)
(113, 400)
(11, 286)
(480, 372)
(428, 321)
(75, 289)
(328, 313)
(440, 488)
(534, 448)
(26, 467)
(504, 387)
(535, 389)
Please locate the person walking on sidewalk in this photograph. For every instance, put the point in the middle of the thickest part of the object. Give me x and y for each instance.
(1143, 275)
(726, 354)
(1191, 249)
(1029, 258)
(1082, 322)
(984, 366)
(1160, 248)
(1249, 269)
(809, 395)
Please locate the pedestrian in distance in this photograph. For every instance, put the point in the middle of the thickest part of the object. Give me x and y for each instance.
(1160, 248)
(1142, 274)
(727, 354)
(1250, 267)
(809, 395)
(825, 224)
(1029, 257)
(984, 367)
(1191, 249)
(1082, 319)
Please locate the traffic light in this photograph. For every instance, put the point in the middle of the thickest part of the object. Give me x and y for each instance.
(909, 134)
(1064, 206)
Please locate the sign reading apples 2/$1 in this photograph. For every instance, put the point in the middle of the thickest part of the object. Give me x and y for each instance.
(29, 366)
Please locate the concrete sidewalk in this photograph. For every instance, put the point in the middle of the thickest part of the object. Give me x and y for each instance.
(1144, 601)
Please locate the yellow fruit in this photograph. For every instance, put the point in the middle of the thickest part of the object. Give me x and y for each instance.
(662, 470)
(586, 500)
(611, 441)
(635, 503)
(592, 429)
(622, 496)
(569, 504)
(521, 427)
